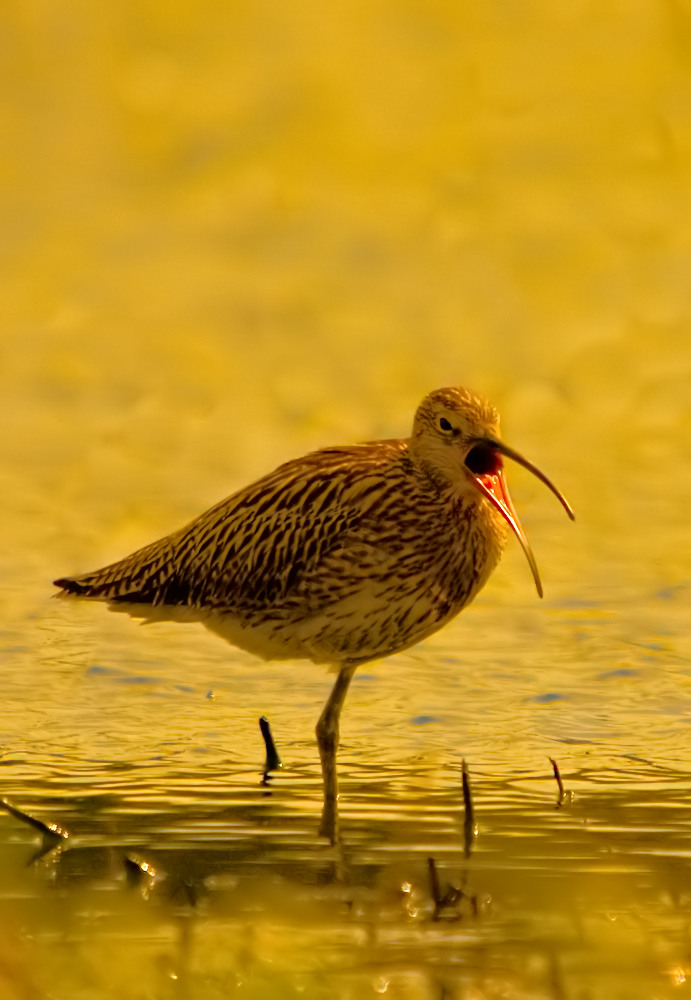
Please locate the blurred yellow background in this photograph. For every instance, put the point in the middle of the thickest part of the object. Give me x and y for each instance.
(234, 231)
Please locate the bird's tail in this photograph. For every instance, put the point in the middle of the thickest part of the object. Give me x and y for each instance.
(143, 577)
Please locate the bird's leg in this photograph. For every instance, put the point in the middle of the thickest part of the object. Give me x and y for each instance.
(327, 740)
(327, 727)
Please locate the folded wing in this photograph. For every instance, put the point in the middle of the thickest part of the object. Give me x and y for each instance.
(250, 550)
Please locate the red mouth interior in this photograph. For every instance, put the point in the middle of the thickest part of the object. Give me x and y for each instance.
(490, 482)
(493, 483)
(484, 462)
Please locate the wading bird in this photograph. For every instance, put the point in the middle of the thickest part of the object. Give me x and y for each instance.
(343, 556)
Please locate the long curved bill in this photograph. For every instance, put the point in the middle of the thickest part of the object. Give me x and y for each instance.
(492, 485)
(504, 449)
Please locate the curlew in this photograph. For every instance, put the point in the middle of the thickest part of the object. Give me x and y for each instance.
(346, 555)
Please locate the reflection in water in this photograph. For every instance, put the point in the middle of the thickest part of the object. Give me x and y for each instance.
(193, 863)
(602, 880)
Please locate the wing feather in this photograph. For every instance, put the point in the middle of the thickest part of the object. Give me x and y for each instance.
(251, 549)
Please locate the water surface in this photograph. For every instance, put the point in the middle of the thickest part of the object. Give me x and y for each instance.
(235, 234)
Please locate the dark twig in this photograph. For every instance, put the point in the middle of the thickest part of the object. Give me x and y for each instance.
(444, 906)
(187, 889)
(560, 783)
(49, 830)
(433, 881)
(469, 827)
(273, 761)
(139, 872)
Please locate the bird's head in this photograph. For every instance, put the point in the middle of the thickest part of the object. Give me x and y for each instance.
(456, 440)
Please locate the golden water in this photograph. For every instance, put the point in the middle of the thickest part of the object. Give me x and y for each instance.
(232, 233)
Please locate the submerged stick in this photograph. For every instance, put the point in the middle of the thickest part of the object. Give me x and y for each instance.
(444, 906)
(433, 882)
(273, 761)
(139, 871)
(560, 783)
(469, 826)
(50, 830)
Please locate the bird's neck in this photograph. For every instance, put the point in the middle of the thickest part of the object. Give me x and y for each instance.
(431, 481)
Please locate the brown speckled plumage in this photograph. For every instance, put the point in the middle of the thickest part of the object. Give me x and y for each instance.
(342, 556)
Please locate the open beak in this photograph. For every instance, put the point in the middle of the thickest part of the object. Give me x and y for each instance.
(487, 475)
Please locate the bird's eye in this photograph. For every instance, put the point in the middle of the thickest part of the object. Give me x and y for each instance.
(444, 424)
